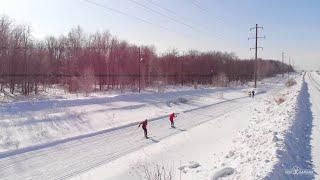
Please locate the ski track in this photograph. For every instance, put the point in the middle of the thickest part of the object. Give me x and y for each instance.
(61, 160)
(314, 91)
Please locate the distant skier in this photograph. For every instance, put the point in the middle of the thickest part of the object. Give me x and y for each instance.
(249, 93)
(252, 93)
(171, 118)
(144, 127)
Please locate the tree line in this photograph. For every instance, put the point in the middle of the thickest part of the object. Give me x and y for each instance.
(82, 61)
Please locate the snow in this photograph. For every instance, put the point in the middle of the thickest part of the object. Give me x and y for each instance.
(295, 151)
(313, 114)
(227, 171)
(177, 151)
(238, 139)
(38, 122)
(221, 133)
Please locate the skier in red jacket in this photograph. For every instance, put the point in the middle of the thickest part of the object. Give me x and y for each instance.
(171, 118)
(144, 127)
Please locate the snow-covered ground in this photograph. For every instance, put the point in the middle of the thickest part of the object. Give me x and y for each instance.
(244, 143)
(218, 134)
(28, 123)
(313, 115)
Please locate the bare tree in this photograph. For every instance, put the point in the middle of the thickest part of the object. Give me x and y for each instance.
(102, 59)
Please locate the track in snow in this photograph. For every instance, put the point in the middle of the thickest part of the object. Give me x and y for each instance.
(314, 91)
(66, 158)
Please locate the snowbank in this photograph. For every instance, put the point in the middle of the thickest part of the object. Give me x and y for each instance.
(294, 153)
(227, 171)
(272, 141)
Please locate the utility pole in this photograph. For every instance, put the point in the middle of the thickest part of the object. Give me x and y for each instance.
(289, 67)
(140, 60)
(181, 76)
(282, 64)
(256, 28)
(293, 64)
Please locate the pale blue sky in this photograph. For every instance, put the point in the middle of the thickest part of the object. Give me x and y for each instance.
(289, 25)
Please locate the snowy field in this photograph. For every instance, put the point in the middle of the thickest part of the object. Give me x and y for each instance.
(242, 143)
(39, 121)
(220, 132)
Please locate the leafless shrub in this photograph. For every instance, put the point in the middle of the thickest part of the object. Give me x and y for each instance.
(156, 172)
(222, 80)
(87, 82)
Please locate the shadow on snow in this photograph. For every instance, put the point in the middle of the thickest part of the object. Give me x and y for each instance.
(295, 157)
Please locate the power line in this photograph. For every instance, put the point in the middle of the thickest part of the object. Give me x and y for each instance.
(146, 21)
(197, 5)
(256, 28)
(173, 19)
(177, 15)
(134, 17)
(162, 7)
(128, 15)
(164, 15)
(167, 10)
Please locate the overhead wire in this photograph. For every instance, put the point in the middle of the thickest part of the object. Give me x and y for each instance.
(197, 5)
(162, 14)
(172, 19)
(128, 15)
(147, 21)
(177, 15)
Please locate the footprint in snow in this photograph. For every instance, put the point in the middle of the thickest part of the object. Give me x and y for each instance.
(190, 165)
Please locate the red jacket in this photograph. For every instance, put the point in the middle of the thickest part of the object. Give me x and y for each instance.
(144, 124)
(172, 116)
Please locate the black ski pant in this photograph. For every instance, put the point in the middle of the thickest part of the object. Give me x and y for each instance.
(145, 132)
(172, 123)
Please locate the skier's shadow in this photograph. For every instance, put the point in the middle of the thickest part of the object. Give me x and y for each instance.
(179, 129)
(182, 130)
(154, 140)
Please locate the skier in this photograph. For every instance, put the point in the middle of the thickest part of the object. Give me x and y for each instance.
(144, 127)
(171, 118)
(252, 93)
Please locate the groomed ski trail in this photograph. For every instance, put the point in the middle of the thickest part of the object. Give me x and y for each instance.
(66, 158)
(69, 157)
